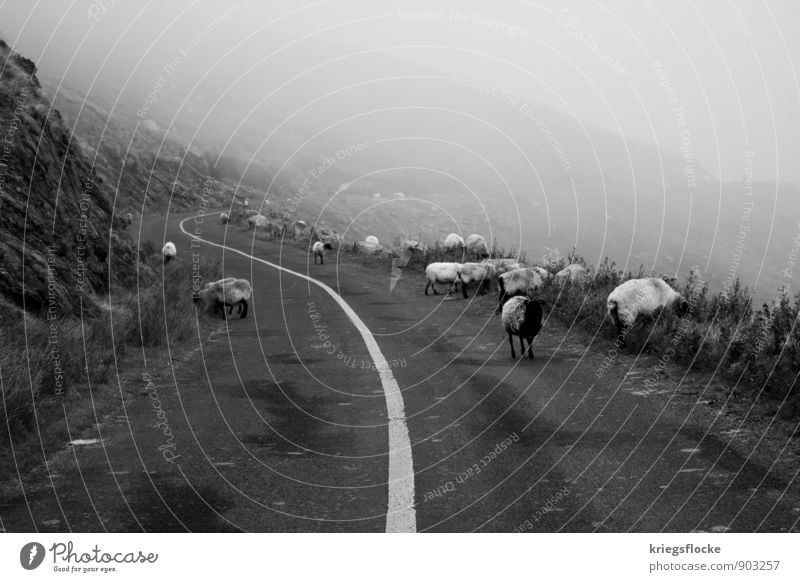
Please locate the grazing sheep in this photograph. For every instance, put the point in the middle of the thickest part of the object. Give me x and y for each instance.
(224, 218)
(516, 282)
(476, 245)
(522, 316)
(573, 273)
(641, 297)
(543, 273)
(300, 229)
(453, 242)
(275, 229)
(228, 292)
(320, 249)
(372, 240)
(504, 265)
(476, 272)
(412, 245)
(257, 221)
(168, 251)
(445, 273)
(128, 220)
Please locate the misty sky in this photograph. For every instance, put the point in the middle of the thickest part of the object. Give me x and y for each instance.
(724, 70)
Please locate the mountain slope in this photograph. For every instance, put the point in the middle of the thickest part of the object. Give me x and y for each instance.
(56, 246)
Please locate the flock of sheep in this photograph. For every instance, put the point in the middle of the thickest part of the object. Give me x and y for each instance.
(521, 313)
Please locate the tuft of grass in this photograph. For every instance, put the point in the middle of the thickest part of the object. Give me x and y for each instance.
(46, 359)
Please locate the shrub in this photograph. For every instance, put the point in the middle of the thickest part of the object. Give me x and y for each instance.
(87, 351)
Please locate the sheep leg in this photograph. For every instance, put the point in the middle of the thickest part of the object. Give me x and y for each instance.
(500, 302)
(521, 346)
(243, 309)
(622, 331)
(530, 347)
(511, 343)
(464, 289)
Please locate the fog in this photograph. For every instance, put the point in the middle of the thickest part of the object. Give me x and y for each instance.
(728, 67)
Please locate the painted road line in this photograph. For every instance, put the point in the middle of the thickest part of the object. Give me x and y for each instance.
(401, 516)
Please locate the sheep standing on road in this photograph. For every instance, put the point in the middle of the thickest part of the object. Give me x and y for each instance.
(228, 292)
(257, 221)
(168, 251)
(480, 273)
(638, 297)
(453, 242)
(515, 283)
(522, 316)
(300, 229)
(275, 229)
(320, 249)
(443, 273)
(476, 245)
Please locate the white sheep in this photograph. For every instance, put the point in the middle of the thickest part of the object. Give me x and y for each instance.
(372, 241)
(257, 221)
(480, 273)
(224, 218)
(522, 316)
(641, 297)
(168, 251)
(128, 220)
(573, 273)
(320, 249)
(300, 229)
(516, 282)
(275, 229)
(543, 273)
(453, 242)
(228, 292)
(476, 245)
(444, 273)
(504, 265)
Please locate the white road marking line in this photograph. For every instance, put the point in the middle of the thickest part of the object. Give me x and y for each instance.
(401, 516)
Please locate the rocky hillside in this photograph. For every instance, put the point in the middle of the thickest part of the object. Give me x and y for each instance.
(58, 248)
(153, 166)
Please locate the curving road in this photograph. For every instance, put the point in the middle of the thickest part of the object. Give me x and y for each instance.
(283, 422)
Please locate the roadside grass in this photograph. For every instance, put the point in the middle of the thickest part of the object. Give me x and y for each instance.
(757, 350)
(64, 366)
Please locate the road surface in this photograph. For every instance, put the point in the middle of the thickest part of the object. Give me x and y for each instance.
(280, 424)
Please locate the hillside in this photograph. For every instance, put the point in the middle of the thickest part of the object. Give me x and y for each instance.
(57, 249)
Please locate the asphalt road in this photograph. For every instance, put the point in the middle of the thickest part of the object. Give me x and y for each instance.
(280, 423)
